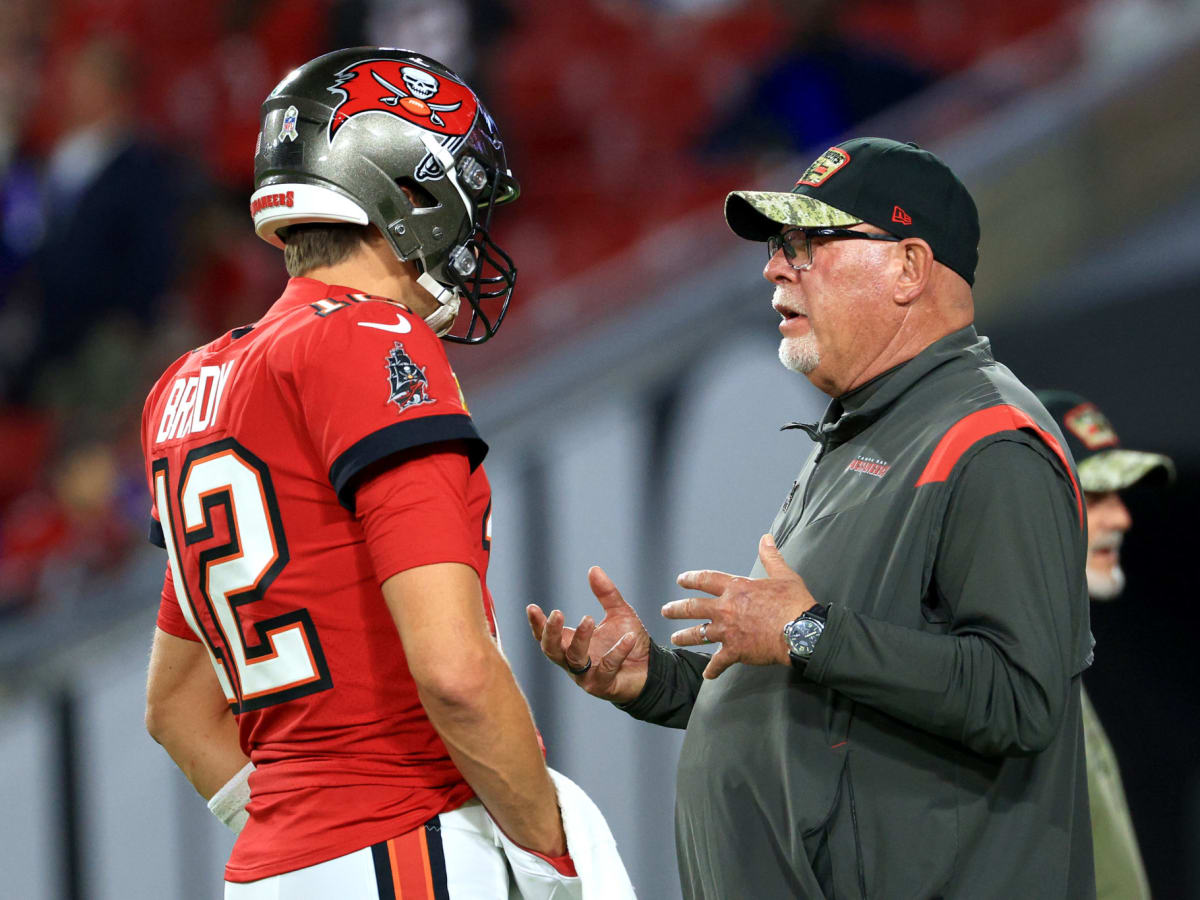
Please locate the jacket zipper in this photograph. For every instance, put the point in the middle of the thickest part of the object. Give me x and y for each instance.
(822, 445)
(858, 857)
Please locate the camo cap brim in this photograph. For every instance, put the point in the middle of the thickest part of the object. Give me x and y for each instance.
(1115, 470)
(756, 215)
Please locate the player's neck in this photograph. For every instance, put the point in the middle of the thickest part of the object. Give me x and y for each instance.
(375, 270)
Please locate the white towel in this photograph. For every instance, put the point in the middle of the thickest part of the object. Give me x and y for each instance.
(593, 849)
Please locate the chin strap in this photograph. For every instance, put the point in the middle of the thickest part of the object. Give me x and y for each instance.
(441, 319)
(448, 299)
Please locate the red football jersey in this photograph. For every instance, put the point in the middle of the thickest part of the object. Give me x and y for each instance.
(254, 446)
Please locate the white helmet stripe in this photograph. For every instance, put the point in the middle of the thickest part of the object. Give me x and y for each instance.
(446, 160)
(279, 205)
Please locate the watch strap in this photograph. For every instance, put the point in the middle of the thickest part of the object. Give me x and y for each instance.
(818, 611)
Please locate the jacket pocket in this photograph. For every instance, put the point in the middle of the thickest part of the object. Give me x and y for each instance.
(835, 850)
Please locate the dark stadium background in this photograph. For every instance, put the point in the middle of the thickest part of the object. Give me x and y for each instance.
(639, 323)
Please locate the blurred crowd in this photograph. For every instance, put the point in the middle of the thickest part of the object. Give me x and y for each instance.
(126, 136)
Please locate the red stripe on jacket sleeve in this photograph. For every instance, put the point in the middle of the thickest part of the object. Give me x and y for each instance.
(967, 431)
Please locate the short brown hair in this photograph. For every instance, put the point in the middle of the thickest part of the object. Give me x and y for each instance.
(313, 245)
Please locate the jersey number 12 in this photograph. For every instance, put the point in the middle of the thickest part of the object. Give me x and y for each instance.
(284, 659)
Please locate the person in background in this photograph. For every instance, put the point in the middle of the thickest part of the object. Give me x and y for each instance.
(112, 201)
(1105, 470)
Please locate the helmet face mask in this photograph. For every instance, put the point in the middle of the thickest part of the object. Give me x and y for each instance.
(483, 273)
(353, 135)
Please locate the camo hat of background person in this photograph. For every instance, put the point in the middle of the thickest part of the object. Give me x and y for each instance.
(1103, 464)
(906, 191)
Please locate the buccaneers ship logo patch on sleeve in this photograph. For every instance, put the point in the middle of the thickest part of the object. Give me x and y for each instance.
(407, 381)
(433, 102)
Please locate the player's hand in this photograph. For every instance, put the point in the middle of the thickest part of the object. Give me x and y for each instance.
(618, 649)
(746, 616)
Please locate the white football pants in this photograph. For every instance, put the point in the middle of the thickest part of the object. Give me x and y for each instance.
(455, 856)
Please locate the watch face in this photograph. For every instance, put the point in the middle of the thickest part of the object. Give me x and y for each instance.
(802, 636)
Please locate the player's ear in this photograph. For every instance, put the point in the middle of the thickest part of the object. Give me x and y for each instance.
(916, 265)
(374, 238)
(418, 196)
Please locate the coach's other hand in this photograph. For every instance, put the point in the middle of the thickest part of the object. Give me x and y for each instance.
(609, 660)
(747, 615)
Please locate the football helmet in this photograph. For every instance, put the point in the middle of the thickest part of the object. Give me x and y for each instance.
(344, 135)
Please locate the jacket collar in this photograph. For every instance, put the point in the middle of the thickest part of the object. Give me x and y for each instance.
(850, 414)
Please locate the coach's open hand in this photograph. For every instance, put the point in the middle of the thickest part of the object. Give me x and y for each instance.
(616, 652)
(747, 614)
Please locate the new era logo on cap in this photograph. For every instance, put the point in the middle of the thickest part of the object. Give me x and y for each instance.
(899, 215)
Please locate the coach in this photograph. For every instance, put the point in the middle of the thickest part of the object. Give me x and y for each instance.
(905, 721)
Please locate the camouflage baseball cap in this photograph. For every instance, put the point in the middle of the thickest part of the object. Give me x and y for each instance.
(906, 191)
(1103, 464)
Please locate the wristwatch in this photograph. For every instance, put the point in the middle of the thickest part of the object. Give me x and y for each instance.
(803, 632)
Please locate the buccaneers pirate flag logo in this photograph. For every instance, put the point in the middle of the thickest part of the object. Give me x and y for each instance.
(413, 93)
(408, 385)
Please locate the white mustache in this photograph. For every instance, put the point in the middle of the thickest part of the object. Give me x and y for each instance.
(1107, 540)
(777, 300)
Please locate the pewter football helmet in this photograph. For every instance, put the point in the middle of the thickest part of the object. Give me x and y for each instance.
(341, 137)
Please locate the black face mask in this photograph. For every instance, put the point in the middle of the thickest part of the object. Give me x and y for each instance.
(491, 274)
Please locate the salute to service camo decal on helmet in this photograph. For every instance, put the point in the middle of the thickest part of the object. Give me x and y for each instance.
(344, 135)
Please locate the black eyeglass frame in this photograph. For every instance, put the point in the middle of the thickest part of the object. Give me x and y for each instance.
(782, 241)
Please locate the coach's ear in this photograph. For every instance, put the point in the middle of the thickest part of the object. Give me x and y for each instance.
(916, 265)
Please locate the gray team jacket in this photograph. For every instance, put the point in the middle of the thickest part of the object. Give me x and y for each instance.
(933, 745)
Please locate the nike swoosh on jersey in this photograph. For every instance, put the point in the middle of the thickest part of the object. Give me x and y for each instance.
(402, 325)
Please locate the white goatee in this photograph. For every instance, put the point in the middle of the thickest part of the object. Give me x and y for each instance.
(1105, 585)
(800, 354)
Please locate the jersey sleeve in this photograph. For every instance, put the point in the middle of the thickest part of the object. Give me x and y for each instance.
(416, 513)
(170, 616)
(373, 381)
(155, 533)
(154, 529)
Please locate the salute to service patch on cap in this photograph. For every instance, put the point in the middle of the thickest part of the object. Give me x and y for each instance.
(1103, 464)
(906, 191)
